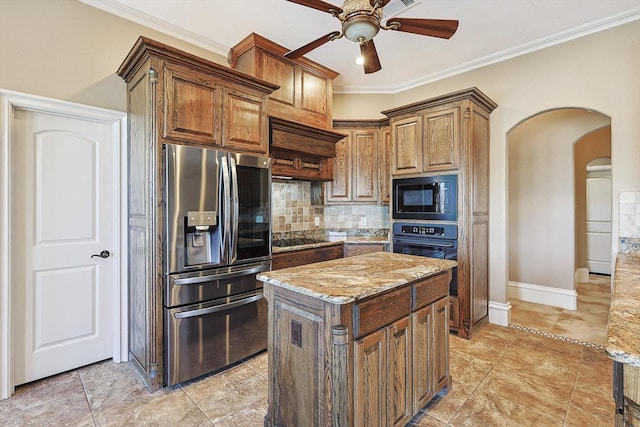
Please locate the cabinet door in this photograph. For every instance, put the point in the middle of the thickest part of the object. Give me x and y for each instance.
(370, 380)
(339, 190)
(440, 365)
(407, 146)
(384, 176)
(422, 325)
(441, 140)
(400, 372)
(282, 72)
(192, 112)
(365, 165)
(244, 125)
(315, 92)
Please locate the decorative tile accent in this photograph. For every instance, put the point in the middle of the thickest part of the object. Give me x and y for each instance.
(629, 224)
(292, 210)
(557, 337)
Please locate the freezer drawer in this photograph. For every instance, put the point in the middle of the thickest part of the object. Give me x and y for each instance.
(190, 288)
(202, 338)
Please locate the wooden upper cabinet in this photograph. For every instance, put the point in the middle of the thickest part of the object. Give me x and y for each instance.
(384, 175)
(282, 73)
(365, 165)
(357, 165)
(339, 189)
(441, 140)
(306, 88)
(245, 122)
(407, 146)
(192, 101)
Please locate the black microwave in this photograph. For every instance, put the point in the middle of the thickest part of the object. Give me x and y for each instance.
(426, 197)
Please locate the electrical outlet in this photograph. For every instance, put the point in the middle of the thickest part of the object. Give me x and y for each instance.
(363, 221)
(296, 333)
(316, 220)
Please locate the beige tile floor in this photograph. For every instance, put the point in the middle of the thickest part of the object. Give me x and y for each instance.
(588, 323)
(502, 377)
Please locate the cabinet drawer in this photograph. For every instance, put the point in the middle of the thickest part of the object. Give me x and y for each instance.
(374, 313)
(306, 256)
(353, 249)
(430, 290)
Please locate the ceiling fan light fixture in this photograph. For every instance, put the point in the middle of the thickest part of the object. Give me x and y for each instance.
(361, 28)
(360, 60)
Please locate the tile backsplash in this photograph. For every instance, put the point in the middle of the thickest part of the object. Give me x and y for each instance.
(292, 211)
(629, 227)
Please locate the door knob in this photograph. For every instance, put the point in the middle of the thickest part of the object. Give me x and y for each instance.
(103, 254)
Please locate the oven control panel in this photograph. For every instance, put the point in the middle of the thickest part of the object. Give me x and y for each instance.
(439, 231)
(421, 229)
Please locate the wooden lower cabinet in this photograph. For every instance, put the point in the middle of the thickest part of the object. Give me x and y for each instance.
(375, 362)
(399, 363)
(306, 256)
(370, 379)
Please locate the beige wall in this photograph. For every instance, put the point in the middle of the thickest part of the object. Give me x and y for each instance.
(541, 213)
(67, 50)
(600, 72)
(592, 146)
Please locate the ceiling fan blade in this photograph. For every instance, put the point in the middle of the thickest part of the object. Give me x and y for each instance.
(301, 51)
(383, 3)
(443, 28)
(370, 56)
(319, 5)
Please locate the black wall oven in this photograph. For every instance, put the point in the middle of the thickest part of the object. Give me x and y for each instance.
(431, 198)
(428, 240)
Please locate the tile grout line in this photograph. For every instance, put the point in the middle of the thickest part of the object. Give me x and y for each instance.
(86, 396)
(196, 405)
(575, 382)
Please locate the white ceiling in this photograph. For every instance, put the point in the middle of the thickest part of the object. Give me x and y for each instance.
(489, 31)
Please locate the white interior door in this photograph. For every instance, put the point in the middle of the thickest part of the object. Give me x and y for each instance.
(64, 210)
(599, 224)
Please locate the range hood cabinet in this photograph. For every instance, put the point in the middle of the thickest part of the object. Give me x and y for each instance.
(300, 151)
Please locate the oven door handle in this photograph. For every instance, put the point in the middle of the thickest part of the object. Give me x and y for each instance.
(202, 279)
(429, 244)
(217, 308)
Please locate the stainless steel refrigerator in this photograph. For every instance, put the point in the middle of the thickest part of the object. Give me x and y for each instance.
(217, 238)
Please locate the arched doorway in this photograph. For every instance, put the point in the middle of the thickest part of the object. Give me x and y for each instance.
(545, 201)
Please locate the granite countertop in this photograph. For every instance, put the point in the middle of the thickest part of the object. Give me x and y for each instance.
(345, 280)
(623, 328)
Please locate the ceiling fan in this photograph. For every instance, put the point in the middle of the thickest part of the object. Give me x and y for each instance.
(361, 21)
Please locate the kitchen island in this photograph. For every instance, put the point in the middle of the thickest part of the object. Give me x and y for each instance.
(358, 341)
(623, 339)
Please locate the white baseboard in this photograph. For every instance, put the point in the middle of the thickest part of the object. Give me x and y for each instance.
(563, 298)
(500, 313)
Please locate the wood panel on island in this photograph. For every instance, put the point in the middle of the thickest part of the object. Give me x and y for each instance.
(444, 135)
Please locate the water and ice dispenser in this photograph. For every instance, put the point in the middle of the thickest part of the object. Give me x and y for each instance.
(200, 237)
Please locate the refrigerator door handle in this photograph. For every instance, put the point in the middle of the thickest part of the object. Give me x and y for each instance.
(234, 211)
(218, 308)
(202, 279)
(226, 208)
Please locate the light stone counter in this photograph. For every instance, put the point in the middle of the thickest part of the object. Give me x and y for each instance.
(623, 328)
(346, 280)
